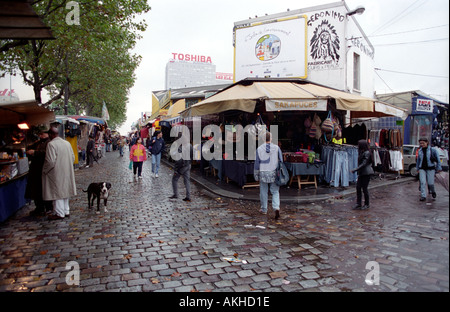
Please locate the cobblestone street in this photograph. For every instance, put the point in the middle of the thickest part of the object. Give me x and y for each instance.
(146, 242)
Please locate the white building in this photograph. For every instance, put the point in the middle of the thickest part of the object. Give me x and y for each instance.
(323, 44)
(187, 70)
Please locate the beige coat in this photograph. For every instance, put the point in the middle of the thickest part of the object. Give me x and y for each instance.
(58, 176)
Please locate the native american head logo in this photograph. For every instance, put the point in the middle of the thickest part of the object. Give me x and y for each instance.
(325, 42)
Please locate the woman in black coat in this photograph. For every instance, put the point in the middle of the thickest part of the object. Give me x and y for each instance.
(364, 170)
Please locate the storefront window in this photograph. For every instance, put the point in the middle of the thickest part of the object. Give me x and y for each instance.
(421, 128)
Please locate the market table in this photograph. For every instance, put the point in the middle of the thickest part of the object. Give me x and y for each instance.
(217, 165)
(305, 169)
(237, 171)
(12, 195)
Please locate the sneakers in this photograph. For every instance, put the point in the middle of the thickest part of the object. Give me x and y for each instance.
(185, 199)
(156, 175)
(139, 177)
(357, 207)
(365, 207)
(263, 212)
(422, 198)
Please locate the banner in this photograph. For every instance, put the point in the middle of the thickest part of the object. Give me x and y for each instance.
(296, 105)
(275, 49)
(105, 114)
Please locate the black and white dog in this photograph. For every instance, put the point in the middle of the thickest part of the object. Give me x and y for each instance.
(98, 190)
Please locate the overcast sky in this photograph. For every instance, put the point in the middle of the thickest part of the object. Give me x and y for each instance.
(410, 38)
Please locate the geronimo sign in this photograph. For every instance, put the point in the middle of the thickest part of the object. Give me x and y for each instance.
(326, 39)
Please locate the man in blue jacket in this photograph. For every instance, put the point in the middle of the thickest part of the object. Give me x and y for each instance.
(428, 163)
(157, 143)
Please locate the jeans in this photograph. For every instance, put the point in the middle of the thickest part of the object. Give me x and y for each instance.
(352, 163)
(327, 157)
(341, 171)
(362, 183)
(186, 179)
(137, 165)
(264, 196)
(121, 150)
(156, 161)
(426, 177)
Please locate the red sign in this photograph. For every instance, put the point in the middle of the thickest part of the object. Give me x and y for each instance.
(5, 92)
(224, 76)
(191, 58)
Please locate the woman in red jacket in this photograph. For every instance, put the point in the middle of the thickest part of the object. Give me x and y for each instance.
(138, 155)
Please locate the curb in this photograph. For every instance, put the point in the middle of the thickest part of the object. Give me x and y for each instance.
(212, 188)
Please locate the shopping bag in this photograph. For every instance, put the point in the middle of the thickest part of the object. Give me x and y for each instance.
(130, 166)
(442, 179)
(327, 125)
(259, 128)
(282, 174)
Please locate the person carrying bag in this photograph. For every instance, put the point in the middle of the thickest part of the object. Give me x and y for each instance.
(268, 158)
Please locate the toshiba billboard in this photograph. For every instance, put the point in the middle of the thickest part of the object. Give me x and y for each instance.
(274, 48)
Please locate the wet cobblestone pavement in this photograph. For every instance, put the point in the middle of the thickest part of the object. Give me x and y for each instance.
(146, 242)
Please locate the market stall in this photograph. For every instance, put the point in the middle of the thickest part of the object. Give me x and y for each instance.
(90, 126)
(18, 121)
(299, 109)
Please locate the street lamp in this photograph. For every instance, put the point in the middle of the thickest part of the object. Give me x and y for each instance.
(359, 10)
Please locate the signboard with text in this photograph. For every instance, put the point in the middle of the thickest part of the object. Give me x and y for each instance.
(424, 105)
(276, 49)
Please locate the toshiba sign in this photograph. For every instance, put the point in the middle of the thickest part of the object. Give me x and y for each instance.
(191, 58)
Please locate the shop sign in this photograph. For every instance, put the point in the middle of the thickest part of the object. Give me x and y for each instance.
(425, 106)
(326, 39)
(191, 58)
(273, 48)
(296, 105)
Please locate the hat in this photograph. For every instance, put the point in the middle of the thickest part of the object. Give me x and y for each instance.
(42, 128)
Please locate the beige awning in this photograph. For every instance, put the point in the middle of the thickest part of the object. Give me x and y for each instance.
(382, 109)
(244, 96)
(25, 111)
(176, 108)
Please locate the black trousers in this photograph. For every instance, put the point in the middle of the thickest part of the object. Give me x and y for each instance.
(362, 184)
(137, 165)
(89, 159)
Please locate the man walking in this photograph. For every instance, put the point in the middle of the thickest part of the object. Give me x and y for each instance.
(428, 163)
(157, 143)
(58, 176)
(183, 169)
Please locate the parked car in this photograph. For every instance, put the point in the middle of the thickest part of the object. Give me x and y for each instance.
(409, 159)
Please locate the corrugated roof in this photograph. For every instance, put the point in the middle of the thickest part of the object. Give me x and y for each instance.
(18, 20)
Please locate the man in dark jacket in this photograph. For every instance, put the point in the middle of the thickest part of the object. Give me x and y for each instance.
(183, 169)
(157, 143)
(364, 170)
(428, 163)
(36, 153)
(90, 152)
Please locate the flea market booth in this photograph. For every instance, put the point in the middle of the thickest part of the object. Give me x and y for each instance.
(308, 121)
(19, 123)
(88, 126)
